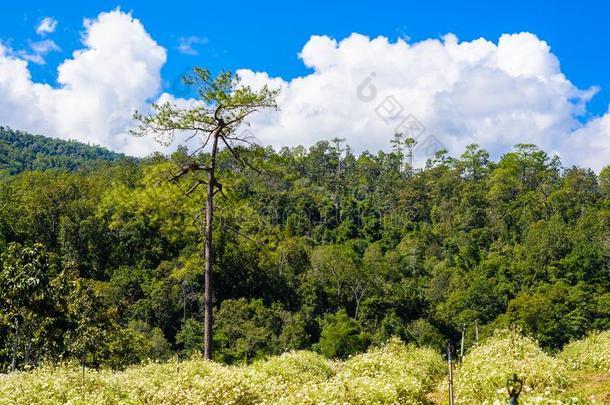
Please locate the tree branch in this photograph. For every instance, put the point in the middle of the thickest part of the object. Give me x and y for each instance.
(186, 169)
(194, 187)
(238, 157)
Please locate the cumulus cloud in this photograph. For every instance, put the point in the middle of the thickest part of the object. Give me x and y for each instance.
(443, 92)
(186, 45)
(99, 88)
(589, 146)
(440, 91)
(48, 25)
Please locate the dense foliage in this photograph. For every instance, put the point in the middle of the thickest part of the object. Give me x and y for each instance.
(323, 249)
(393, 373)
(20, 151)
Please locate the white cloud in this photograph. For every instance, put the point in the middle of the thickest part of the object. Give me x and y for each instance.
(38, 51)
(494, 94)
(588, 146)
(186, 44)
(45, 46)
(46, 26)
(115, 73)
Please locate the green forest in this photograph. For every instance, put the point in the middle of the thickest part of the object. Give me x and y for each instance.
(319, 248)
(20, 151)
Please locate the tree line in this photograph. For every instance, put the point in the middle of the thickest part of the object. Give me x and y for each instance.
(20, 151)
(322, 249)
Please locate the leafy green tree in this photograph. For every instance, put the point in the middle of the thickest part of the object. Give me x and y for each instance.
(190, 336)
(160, 348)
(553, 314)
(425, 334)
(391, 326)
(341, 336)
(25, 278)
(95, 338)
(246, 330)
(604, 182)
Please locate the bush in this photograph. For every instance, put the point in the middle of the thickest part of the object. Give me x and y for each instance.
(425, 334)
(589, 354)
(341, 336)
(246, 330)
(284, 375)
(159, 347)
(482, 376)
(393, 374)
(190, 337)
(390, 326)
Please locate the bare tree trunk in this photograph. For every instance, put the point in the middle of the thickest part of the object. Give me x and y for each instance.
(14, 346)
(358, 292)
(208, 321)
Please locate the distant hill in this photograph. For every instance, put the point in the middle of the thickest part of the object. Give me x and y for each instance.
(20, 151)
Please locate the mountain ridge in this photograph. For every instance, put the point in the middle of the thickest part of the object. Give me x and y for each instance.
(21, 151)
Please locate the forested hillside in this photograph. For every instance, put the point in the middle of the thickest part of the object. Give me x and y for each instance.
(20, 151)
(324, 249)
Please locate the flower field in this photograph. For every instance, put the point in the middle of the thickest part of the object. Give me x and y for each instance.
(482, 376)
(393, 374)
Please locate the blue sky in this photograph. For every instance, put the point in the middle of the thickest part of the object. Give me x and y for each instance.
(268, 35)
(497, 92)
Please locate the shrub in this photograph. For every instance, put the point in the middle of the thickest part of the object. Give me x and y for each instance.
(589, 354)
(159, 347)
(392, 374)
(483, 374)
(246, 330)
(395, 373)
(425, 334)
(341, 336)
(190, 336)
(281, 376)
